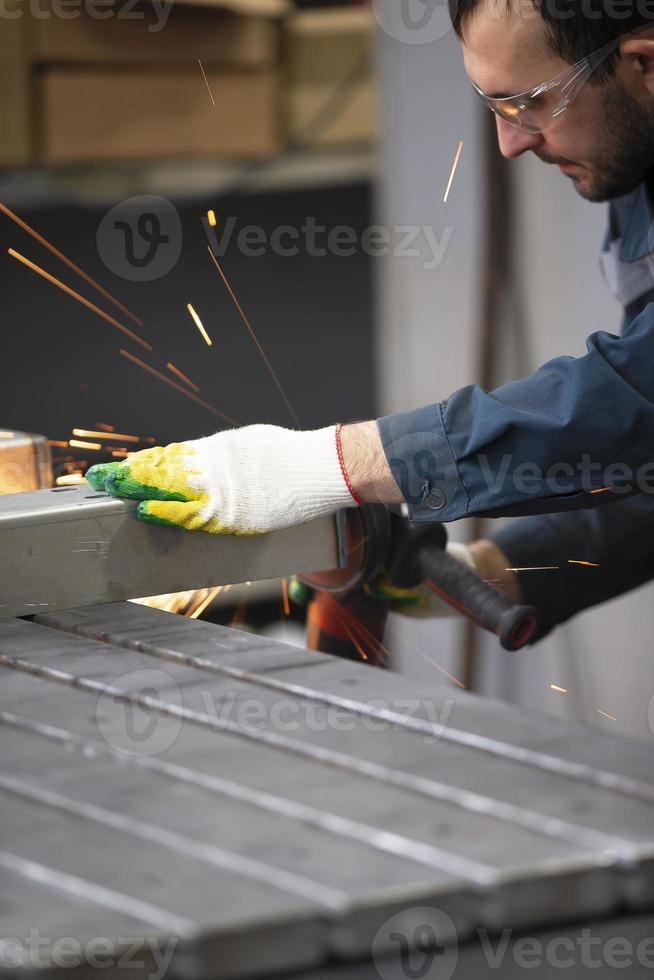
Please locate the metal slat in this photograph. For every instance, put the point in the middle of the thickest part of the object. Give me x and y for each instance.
(41, 906)
(184, 648)
(473, 870)
(194, 711)
(579, 818)
(187, 823)
(517, 854)
(346, 829)
(454, 821)
(294, 854)
(24, 701)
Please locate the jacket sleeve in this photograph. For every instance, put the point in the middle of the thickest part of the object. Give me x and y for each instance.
(618, 539)
(553, 441)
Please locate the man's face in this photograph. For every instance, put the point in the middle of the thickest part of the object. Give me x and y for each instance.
(604, 141)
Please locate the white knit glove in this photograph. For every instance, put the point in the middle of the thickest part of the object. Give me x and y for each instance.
(240, 481)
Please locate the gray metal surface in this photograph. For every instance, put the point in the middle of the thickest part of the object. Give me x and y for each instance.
(271, 809)
(102, 553)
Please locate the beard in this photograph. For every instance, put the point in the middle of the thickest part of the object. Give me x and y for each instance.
(624, 151)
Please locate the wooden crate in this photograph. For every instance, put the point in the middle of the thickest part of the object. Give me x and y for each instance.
(324, 50)
(86, 88)
(91, 114)
(217, 37)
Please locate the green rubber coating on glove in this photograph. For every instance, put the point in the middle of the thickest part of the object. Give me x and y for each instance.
(382, 590)
(97, 475)
(143, 515)
(120, 484)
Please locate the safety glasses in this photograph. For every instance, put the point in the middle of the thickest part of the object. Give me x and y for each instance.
(538, 108)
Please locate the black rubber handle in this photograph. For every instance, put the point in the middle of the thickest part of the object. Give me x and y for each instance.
(461, 587)
(418, 555)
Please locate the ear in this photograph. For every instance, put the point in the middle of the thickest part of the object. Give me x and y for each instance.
(639, 51)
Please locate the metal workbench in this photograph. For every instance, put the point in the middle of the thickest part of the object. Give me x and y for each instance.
(232, 806)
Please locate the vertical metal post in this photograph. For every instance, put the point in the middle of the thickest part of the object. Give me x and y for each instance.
(496, 278)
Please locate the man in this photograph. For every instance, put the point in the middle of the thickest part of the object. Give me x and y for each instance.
(573, 82)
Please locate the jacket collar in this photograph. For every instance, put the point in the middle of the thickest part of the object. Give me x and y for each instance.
(637, 218)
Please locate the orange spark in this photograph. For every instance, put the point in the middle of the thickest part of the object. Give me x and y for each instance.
(446, 673)
(602, 490)
(561, 690)
(198, 323)
(197, 599)
(362, 653)
(58, 442)
(453, 170)
(170, 601)
(107, 435)
(350, 624)
(199, 609)
(206, 82)
(80, 299)
(534, 568)
(80, 444)
(606, 714)
(105, 427)
(211, 218)
(287, 609)
(173, 384)
(120, 453)
(589, 564)
(356, 545)
(71, 265)
(182, 376)
(253, 335)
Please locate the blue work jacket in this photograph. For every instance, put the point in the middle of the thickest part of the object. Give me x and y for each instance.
(546, 442)
(575, 435)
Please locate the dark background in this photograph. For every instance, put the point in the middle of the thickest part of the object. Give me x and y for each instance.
(61, 365)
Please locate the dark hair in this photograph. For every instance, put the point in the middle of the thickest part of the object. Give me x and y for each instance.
(575, 28)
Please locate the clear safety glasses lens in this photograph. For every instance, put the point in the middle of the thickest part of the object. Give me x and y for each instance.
(539, 108)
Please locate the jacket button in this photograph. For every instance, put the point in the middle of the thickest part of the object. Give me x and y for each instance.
(435, 499)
